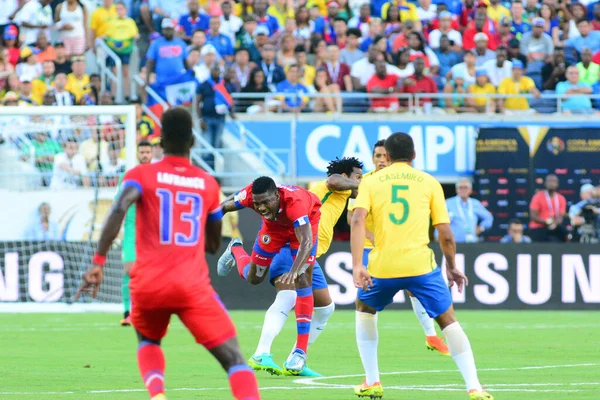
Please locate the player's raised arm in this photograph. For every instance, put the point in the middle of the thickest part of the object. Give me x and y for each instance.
(237, 201)
(92, 279)
(344, 174)
(339, 183)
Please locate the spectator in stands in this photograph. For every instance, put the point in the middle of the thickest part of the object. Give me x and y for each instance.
(531, 9)
(482, 88)
(538, 47)
(420, 82)
(208, 58)
(340, 28)
(383, 83)
(304, 25)
(221, 42)
(11, 99)
(248, 35)
(446, 29)
(595, 21)
(71, 22)
(554, 71)
(515, 233)
(120, 36)
(296, 101)
(517, 84)
(584, 216)
(548, 14)
(212, 98)
(10, 41)
(496, 11)
(256, 84)
(193, 21)
(351, 53)
(466, 68)
(42, 229)
(499, 68)
(408, 12)
(426, 12)
(575, 85)
(468, 217)
(288, 30)
(113, 166)
(242, 68)
(338, 73)
(363, 69)
(230, 23)
(375, 33)
(144, 124)
(78, 81)
(6, 68)
(99, 21)
(547, 211)
(306, 73)
(459, 87)
(167, 9)
(286, 55)
(467, 14)
(89, 150)
(324, 24)
(503, 35)
(281, 9)
(392, 24)
(481, 24)
(44, 149)
(514, 52)
(29, 64)
(166, 55)
(25, 88)
(323, 85)
(362, 20)
(577, 12)
(447, 57)
(588, 70)
(69, 170)
(401, 39)
(273, 72)
(418, 49)
(520, 23)
(43, 83)
(260, 9)
(62, 63)
(482, 52)
(588, 39)
(45, 51)
(34, 16)
(61, 95)
(404, 67)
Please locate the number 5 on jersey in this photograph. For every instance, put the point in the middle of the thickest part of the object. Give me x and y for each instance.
(397, 191)
(183, 236)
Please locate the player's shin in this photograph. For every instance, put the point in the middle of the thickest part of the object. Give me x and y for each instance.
(460, 348)
(425, 320)
(319, 321)
(367, 339)
(243, 382)
(275, 320)
(304, 311)
(242, 260)
(151, 362)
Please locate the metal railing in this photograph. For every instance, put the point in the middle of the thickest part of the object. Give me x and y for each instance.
(104, 52)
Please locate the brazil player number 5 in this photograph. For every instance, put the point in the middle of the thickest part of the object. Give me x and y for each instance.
(396, 193)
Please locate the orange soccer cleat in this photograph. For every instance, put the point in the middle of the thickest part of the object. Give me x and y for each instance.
(126, 321)
(436, 343)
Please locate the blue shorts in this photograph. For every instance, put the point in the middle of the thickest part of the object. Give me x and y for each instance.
(282, 263)
(430, 289)
(125, 60)
(366, 253)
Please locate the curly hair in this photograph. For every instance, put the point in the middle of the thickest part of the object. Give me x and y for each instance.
(344, 165)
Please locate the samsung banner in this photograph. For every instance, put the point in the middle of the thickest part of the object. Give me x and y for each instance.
(557, 277)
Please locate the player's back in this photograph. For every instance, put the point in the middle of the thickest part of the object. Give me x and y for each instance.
(177, 199)
(332, 206)
(402, 201)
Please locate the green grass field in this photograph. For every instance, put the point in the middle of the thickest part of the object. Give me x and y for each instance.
(521, 355)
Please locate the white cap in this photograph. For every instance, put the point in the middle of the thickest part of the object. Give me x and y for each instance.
(208, 49)
(481, 36)
(167, 23)
(586, 188)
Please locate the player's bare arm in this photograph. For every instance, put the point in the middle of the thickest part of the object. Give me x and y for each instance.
(362, 278)
(339, 183)
(305, 238)
(92, 279)
(368, 234)
(228, 205)
(213, 236)
(448, 246)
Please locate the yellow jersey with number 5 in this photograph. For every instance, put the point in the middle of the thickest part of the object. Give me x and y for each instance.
(402, 201)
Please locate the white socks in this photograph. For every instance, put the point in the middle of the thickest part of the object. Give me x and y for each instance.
(319, 321)
(366, 339)
(275, 319)
(460, 348)
(425, 320)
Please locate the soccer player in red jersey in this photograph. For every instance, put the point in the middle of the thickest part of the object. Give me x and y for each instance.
(178, 217)
(290, 215)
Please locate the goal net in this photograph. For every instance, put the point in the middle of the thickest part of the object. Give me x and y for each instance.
(59, 170)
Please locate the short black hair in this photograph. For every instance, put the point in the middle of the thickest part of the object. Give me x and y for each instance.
(177, 136)
(354, 32)
(263, 184)
(94, 76)
(344, 165)
(400, 147)
(300, 49)
(135, 102)
(379, 143)
(242, 49)
(515, 221)
(144, 143)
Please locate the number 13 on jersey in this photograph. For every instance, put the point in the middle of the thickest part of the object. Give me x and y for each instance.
(397, 193)
(180, 219)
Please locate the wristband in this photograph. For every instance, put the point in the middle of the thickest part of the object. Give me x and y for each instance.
(99, 259)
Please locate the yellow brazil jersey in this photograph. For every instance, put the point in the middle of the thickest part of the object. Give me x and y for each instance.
(281, 14)
(100, 19)
(488, 88)
(402, 201)
(333, 204)
(369, 220)
(509, 86)
(408, 11)
(121, 33)
(496, 13)
(78, 87)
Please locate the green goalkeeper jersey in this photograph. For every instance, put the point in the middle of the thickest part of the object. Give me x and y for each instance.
(128, 250)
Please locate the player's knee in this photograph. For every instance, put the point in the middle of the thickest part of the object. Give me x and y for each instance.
(142, 338)
(446, 319)
(304, 281)
(362, 307)
(255, 280)
(228, 354)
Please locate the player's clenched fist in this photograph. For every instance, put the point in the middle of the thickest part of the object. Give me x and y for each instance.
(91, 281)
(362, 278)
